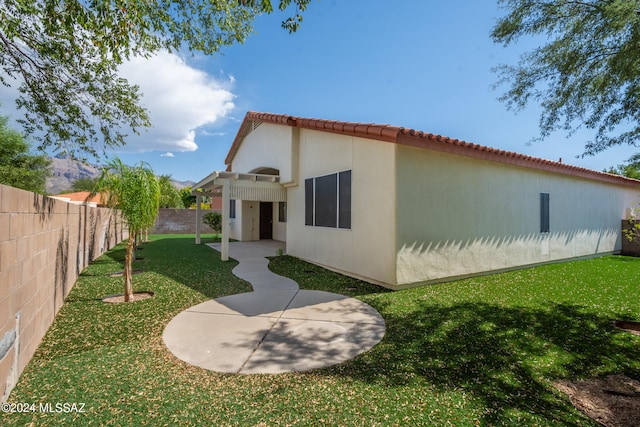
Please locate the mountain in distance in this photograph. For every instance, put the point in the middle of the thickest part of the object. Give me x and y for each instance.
(65, 170)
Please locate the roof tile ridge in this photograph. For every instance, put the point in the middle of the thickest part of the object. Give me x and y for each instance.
(271, 118)
(391, 133)
(501, 153)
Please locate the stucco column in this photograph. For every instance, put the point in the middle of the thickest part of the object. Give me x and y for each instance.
(224, 247)
(198, 221)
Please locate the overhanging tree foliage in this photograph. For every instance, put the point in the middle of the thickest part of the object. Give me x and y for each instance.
(64, 57)
(630, 168)
(135, 191)
(19, 168)
(587, 73)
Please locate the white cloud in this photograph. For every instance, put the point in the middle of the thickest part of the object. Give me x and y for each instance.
(180, 99)
(207, 133)
(167, 154)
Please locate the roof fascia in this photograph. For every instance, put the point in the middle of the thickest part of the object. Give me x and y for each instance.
(429, 141)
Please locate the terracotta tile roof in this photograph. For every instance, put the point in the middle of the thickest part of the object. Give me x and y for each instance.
(415, 138)
(81, 196)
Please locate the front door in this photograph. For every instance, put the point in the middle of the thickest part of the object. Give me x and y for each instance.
(266, 220)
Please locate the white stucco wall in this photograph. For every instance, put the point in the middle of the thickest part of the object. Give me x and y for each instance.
(235, 225)
(459, 216)
(367, 249)
(267, 146)
(279, 228)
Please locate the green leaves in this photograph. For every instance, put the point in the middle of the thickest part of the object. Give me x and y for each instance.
(18, 168)
(134, 190)
(213, 220)
(480, 351)
(64, 58)
(169, 194)
(587, 73)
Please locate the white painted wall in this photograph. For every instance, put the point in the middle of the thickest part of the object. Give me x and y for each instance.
(459, 216)
(235, 224)
(421, 216)
(279, 228)
(266, 146)
(367, 250)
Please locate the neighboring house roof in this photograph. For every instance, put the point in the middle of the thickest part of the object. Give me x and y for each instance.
(415, 138)
(80, 197)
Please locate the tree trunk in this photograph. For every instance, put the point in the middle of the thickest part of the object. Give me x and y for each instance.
(128, 273)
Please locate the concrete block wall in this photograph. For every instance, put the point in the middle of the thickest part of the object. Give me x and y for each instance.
(178, 221)
(44, 245)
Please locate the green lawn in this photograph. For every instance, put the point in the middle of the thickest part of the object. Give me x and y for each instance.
(481, 351)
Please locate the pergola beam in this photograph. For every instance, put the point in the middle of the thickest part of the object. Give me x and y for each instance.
(241, 186)
(198, 217)
(226, 202)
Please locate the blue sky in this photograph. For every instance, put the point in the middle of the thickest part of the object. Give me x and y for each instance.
(419, 64)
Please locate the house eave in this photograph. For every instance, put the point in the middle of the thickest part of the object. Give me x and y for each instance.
(423, 140)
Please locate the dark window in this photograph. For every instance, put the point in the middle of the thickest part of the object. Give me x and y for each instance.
(232, 208)
(308, 201)
(544, 212)
(344, 199)
(328, 200)
(282, 212)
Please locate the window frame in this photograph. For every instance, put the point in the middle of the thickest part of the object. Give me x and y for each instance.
(334, 186)
(545, 223)
(232, 208)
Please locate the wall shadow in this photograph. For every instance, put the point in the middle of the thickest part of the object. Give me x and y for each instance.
(43, 206)
(62, 269)
(421, 260)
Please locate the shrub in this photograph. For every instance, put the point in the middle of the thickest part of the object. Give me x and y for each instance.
(213, 220)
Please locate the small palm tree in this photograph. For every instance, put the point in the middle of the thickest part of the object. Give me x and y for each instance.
(136, 193)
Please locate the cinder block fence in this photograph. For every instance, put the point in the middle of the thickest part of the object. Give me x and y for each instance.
(178, 221)
(44, 245)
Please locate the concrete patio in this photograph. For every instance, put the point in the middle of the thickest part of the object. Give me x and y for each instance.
(274, 329)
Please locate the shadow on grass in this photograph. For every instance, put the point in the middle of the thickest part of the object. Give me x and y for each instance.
(195, 266)
(178, 271)
(179, 259)
(505, 357)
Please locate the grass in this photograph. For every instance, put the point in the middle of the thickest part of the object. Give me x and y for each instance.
(481, 351)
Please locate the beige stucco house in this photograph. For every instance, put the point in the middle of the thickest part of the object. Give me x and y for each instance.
(399, 207)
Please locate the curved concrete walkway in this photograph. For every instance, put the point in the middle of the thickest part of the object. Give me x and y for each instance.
(276, 328)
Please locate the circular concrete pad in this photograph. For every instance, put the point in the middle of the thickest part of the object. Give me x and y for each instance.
(274, 331)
